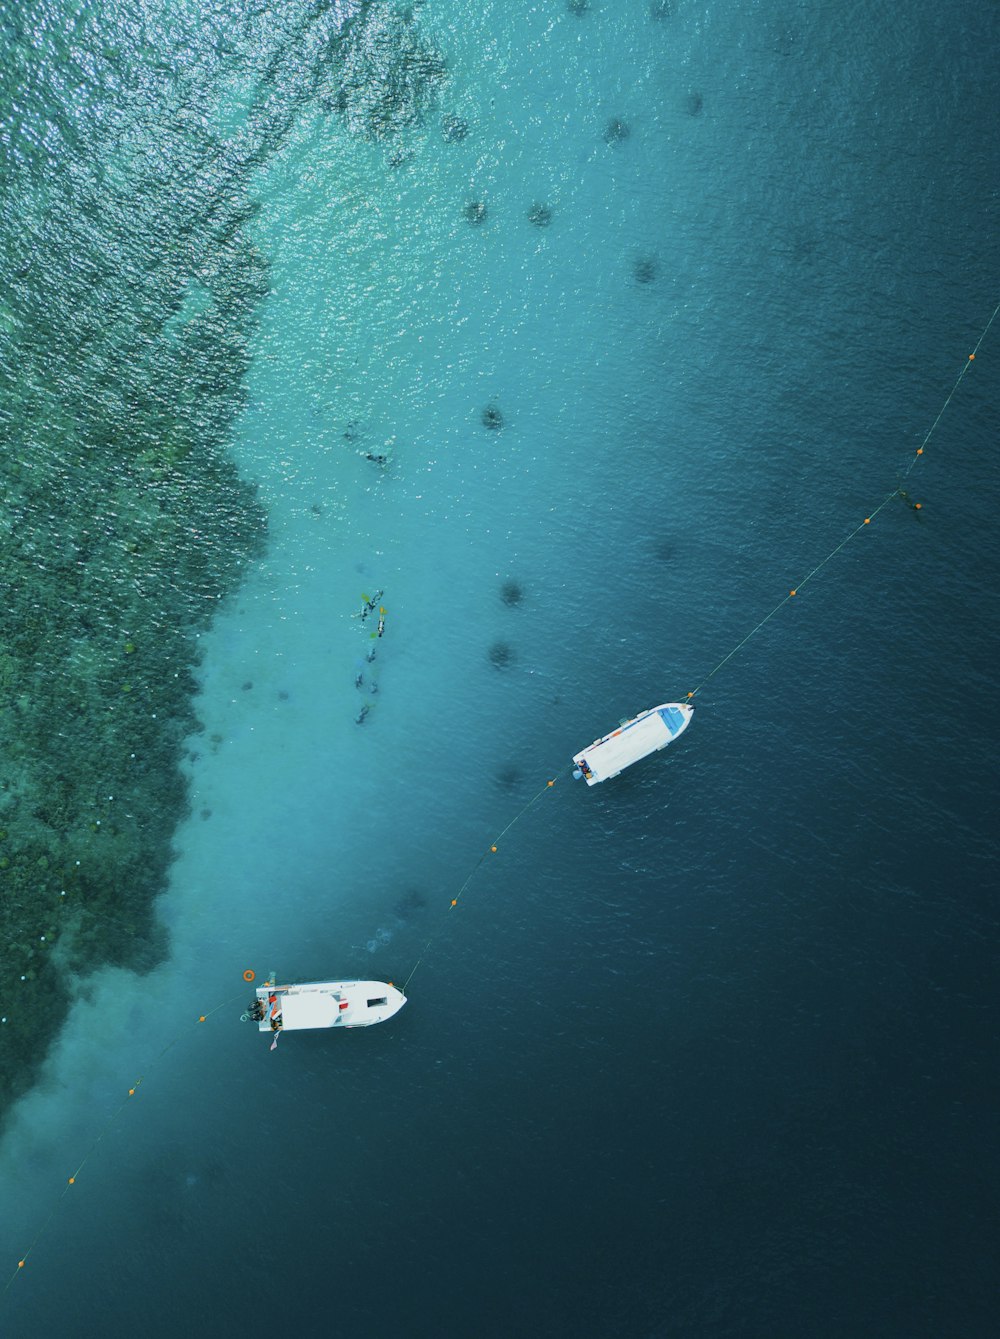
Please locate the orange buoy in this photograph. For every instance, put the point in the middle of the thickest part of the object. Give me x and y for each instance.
(249, 975)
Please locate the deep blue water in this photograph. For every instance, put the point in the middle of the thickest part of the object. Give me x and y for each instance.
(707, 1050)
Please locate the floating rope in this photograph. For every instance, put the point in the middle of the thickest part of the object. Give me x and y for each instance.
(490, 850)
(71, 1180)
(896, 492)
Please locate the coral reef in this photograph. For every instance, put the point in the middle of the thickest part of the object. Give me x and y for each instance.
(511, 592)
(123, 524)
(387, 74)
(453, 129)
(616, 131)
(502, 655)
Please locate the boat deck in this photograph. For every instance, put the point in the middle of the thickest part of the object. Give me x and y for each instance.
(634, 739)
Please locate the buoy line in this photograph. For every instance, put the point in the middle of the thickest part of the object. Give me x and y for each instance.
(490, 850)
(71, 1180)
(494, 844)
(896, 492)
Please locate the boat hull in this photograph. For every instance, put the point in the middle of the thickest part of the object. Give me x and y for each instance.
(634, 739)
(327, 1004)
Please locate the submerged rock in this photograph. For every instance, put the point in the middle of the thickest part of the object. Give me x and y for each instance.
(693, 103)
(502, 655)
(453, 129)
(511, 592)
(616, 131)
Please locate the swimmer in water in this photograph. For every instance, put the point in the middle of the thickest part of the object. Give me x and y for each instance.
(368, 605)
(360, 718)
(381, 621)
(915, 507)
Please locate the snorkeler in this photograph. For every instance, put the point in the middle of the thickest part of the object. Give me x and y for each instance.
(360, 718)
(368, 605)
(381, 620)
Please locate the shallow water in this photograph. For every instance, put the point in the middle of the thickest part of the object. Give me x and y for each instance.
(704, 1050)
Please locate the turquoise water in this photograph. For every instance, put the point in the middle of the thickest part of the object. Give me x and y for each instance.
(704, 1050)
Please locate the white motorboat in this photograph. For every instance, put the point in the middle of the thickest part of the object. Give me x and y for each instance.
(634, 739)
(323, 1004)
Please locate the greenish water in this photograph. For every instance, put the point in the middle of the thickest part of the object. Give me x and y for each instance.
(130, 291)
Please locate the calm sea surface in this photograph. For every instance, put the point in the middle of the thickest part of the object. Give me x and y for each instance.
(575, 337)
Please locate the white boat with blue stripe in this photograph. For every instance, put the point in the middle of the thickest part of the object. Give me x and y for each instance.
(634, 739)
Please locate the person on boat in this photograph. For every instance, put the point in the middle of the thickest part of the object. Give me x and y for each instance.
(276, 1023)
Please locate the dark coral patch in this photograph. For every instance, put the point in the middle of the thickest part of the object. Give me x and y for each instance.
(502, 655)
(453, 129)
(511, 592)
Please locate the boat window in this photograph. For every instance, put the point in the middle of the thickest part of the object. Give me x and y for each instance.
(373, 1003)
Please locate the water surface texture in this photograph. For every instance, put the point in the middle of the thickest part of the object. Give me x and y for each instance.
(573, 337)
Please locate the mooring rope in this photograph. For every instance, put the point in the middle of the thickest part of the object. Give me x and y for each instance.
(72, 1179)
(896, 492)
(490, 850)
